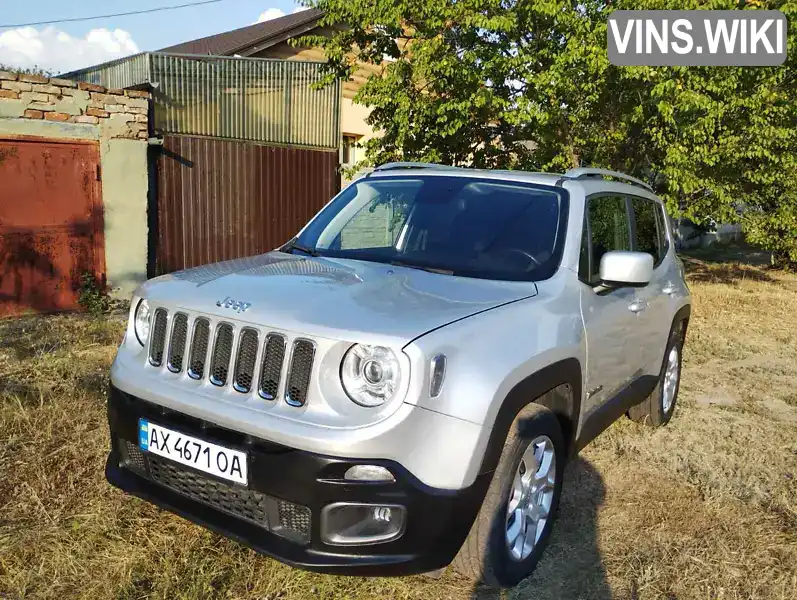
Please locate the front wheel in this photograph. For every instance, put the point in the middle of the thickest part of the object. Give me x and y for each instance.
(515, 521)
(657, 409)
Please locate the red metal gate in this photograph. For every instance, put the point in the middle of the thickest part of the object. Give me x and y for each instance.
(51, 225)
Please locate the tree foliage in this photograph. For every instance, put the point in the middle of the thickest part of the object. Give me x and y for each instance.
(527, 84)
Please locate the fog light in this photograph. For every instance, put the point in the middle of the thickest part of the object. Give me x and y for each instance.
(368, 473)
(346, 524)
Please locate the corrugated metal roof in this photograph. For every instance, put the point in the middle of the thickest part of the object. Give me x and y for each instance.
(238, 40)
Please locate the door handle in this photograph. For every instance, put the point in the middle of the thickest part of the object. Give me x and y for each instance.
(669, 289)
(638, 306)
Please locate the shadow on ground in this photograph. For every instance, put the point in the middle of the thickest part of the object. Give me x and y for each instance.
(736, 252)
(731, 264)
(731, 273)
(571, 566)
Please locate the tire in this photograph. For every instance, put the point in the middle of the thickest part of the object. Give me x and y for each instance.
(486, 556)
(654, 411)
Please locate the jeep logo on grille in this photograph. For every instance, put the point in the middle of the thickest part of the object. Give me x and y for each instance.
(236, 305)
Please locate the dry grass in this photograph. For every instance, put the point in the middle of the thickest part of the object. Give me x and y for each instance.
(704, 509)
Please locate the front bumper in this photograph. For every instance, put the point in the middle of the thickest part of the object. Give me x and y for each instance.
(437, 521)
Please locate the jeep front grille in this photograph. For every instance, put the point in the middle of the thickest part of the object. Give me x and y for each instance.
(177, 342)
(273, 357)
(245, 363)
(299, 374)
(199, 348)
(247, 360)
(222, 352)
(158, 342)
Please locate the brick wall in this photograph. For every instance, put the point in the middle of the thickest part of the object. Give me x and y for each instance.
(120, 113)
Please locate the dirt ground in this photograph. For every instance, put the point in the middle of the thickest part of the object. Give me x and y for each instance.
(704, 509)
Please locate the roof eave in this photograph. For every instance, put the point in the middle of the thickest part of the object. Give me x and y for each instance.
(263, 44)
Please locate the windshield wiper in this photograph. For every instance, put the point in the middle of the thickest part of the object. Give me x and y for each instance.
(300, 248)
(401, 263)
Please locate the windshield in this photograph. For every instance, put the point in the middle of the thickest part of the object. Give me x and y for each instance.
(459, 225)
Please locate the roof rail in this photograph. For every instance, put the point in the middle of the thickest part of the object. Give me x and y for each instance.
(391, 166)
(587, 172)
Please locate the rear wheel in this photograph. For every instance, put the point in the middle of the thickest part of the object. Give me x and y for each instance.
(514, 524)
(657, 409)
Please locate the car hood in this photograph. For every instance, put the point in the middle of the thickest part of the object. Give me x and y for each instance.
(330, 297)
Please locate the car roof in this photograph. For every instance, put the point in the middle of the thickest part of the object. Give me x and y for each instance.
(584, 179)
(525, 176)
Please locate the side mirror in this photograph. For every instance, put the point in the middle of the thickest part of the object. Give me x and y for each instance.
(620, 268)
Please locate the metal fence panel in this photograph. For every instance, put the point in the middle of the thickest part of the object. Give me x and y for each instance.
(121, 73)
(262, 100)
(220, 199)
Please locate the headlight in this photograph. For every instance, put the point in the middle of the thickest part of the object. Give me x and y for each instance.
(141, 322)
(370, 374)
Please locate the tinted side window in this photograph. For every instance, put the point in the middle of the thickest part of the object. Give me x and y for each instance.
(648, 237)
(608, 229)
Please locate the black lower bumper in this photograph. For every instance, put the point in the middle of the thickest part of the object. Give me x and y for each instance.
(437, 521)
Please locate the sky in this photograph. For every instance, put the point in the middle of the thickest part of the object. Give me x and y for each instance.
(62, 47)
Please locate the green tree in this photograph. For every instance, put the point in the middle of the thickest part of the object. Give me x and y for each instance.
(527, 84)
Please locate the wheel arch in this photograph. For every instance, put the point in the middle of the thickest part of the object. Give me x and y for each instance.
(557, 387)
(682, 315)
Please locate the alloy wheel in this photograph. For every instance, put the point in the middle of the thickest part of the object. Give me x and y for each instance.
(671, 376)
(531, 497)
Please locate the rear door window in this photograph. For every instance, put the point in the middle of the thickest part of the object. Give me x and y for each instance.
(647, 224)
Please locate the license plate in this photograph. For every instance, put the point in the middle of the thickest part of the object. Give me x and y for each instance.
(193, 452)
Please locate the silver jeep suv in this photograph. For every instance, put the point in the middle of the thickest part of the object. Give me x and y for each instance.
(400, 385)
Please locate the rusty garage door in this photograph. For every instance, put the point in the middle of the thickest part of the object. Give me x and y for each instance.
(51, 227)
